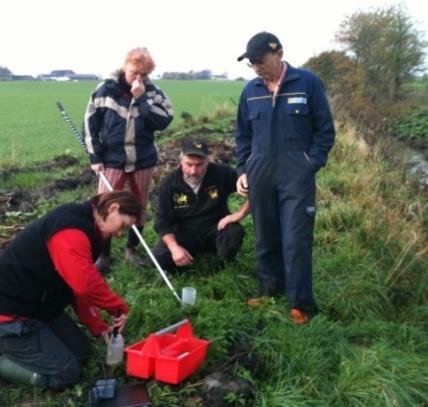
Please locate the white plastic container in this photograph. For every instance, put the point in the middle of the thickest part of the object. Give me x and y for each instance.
(115, 349)
(188, 296)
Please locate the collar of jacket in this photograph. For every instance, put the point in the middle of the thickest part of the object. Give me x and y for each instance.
(117, 75)
(292, 74)
(117, 83)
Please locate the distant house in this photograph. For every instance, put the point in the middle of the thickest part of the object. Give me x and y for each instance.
(60, 73)
(222, 77)
(67, 75)
(84, 77)
(45, 77)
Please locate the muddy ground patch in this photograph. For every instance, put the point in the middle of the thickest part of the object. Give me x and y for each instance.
(18, 203)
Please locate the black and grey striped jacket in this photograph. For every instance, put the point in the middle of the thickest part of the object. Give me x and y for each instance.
(119, 129)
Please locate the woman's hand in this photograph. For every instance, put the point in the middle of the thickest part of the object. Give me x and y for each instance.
(137, 87)
(97, 168)
(120, 321)
(106, 334)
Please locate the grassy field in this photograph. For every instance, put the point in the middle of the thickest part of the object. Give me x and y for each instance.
(367, 347)
(32, 130)
(411, 125)
(418, 85)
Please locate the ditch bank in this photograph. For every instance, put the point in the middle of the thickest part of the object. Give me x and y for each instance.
(17, 205)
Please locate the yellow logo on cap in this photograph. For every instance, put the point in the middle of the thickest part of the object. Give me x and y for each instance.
(197, 145)
(273, 45)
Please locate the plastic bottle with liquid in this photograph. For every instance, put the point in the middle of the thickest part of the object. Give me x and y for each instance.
(115, 348)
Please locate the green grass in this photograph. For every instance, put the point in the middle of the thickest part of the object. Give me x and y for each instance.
(413, 126)
(31, 128)
(28, 180)
(417, 85)
(367, 347)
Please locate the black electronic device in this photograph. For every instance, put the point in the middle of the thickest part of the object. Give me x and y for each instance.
(133, 395)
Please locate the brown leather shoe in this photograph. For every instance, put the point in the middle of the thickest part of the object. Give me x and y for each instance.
(257, 302)
(299, 317)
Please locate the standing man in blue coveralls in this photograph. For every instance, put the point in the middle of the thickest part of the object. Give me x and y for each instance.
(284, 133)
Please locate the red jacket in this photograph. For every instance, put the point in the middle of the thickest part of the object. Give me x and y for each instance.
(70, 251)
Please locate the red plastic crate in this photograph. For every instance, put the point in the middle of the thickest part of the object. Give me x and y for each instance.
(169, 358)
(141, 362)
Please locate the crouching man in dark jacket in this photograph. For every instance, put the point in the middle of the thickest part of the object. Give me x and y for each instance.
(192, 214)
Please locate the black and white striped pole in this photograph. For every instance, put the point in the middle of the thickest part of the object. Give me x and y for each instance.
(79, 137)
(73, 128)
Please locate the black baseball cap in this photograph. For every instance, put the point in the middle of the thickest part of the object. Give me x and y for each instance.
(195, 146)
(260, 44)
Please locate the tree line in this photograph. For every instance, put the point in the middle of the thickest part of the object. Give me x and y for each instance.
(204, 74)
(382, 50)
(5, 71)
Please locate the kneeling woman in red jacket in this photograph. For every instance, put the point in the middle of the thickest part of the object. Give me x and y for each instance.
(46, 267)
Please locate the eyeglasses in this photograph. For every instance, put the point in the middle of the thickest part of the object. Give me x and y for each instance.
(256, 61)
(260, 60)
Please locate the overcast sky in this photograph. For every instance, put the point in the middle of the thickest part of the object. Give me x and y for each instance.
(92, 36)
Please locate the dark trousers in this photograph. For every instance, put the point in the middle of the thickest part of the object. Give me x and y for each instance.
(282, 199)
(225, 243)
(53, 349)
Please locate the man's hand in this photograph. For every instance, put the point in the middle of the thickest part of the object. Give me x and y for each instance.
(242, 185)
(181, 256)
(137, 87)
(97, 168)
(232, 218)
(235, 217)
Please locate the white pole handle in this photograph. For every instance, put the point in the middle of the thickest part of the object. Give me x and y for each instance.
(146, 247)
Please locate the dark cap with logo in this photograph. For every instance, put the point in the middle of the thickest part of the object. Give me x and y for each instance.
(194, 146)
(260, 44)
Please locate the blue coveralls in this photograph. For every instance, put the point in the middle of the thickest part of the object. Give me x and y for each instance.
(280, 147)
